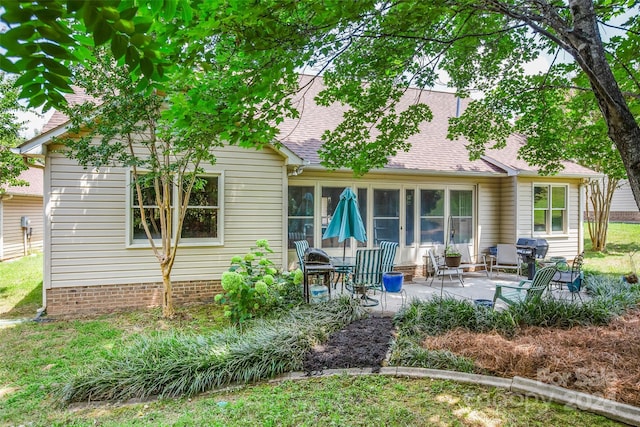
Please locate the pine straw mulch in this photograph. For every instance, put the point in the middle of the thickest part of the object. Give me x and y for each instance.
(599, 360)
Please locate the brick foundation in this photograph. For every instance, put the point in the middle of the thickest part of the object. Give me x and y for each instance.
(624, 216)
(107, 298)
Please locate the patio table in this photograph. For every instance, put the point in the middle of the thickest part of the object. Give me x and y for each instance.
(342, 267)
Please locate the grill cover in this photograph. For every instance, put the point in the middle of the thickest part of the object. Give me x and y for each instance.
(316, 256)
(526, 245)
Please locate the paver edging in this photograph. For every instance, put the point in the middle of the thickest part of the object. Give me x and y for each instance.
(609, 408)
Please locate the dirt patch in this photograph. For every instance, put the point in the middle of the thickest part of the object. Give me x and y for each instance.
(362, 344)
(599, 360)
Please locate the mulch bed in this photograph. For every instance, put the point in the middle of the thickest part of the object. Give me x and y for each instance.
(599, 360)
(362, 344)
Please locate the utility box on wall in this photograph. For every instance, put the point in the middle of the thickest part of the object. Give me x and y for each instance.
(25, 222)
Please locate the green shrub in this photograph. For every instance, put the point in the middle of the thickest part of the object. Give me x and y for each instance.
(407, 352)
(171, 364)
(439, 315)
(254, 286)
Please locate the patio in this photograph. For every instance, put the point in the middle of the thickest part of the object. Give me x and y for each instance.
(476, 286)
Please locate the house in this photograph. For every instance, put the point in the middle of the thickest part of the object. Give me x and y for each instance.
(96, 259)
(623, 205)
(21, 217)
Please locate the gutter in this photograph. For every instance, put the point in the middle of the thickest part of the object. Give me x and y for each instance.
(411, 172)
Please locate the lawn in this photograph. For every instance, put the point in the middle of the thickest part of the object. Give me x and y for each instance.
(21, 287)
(623, 248)
(35, 358)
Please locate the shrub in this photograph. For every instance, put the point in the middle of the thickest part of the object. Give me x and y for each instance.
(406, 352)
(171, 364)
(254, 286)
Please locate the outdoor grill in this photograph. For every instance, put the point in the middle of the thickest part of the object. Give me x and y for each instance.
(530, 249)
(315, 256)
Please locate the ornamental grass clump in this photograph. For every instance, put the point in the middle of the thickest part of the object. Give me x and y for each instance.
(172, 365)
(254, 286)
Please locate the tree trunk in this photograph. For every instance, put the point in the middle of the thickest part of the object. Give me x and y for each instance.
(586, 47)
(167, 292)
(599, 195)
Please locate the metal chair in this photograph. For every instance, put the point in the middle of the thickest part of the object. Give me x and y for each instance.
(366, 275)
(301, 247)
(446, 271)
(507, 258)
(572, 277)
(526, 290)
(468, 262)
(388, 255)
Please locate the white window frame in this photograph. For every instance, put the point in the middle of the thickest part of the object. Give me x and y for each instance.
(549, 210)
(191, 242)
(447, 211)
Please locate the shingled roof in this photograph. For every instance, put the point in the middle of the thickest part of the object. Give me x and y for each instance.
(431, 151)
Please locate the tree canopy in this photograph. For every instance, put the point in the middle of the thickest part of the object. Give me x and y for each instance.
(10, 164)
(369, 52)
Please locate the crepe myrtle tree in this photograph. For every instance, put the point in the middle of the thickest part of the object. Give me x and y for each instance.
(165, 136)
(390, 45)
(118, 126)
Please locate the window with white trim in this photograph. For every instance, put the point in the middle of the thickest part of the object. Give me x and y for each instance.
(549, 208)
(202, 221)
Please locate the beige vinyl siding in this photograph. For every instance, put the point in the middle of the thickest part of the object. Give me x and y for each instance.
(490, 207)
(509, 210)
(12, 233)
(565, 244)
(88, 217)
(623, 200)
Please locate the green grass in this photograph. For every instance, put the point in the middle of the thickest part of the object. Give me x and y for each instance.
(622, 240)
(21, 287)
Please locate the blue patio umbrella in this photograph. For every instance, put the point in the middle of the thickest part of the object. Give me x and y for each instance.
(346, 221)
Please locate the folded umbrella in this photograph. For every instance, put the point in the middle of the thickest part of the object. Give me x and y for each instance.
(346, 221)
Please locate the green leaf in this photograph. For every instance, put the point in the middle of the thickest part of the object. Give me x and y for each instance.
(132, 57)
(54, 35)
(30, 90)
(57, 81)
(38, 100)
(125, 26)
(55, 67)
(28, 76)
(90, 15)
(169, 9)
(15, 14)
(55, 50)
(119, 44)
(128, 14)
(156, 6)
(146, 66)
(48, 14)
(102, 32)
(75, 5)
(22, 32)
(8, 66)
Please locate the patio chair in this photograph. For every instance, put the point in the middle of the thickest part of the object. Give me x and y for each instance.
(506, 258)
(301, 247)
(469, 262)
(526, 290)
(442, 271)
(366, 275)
(388, 255)
(572, 277)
